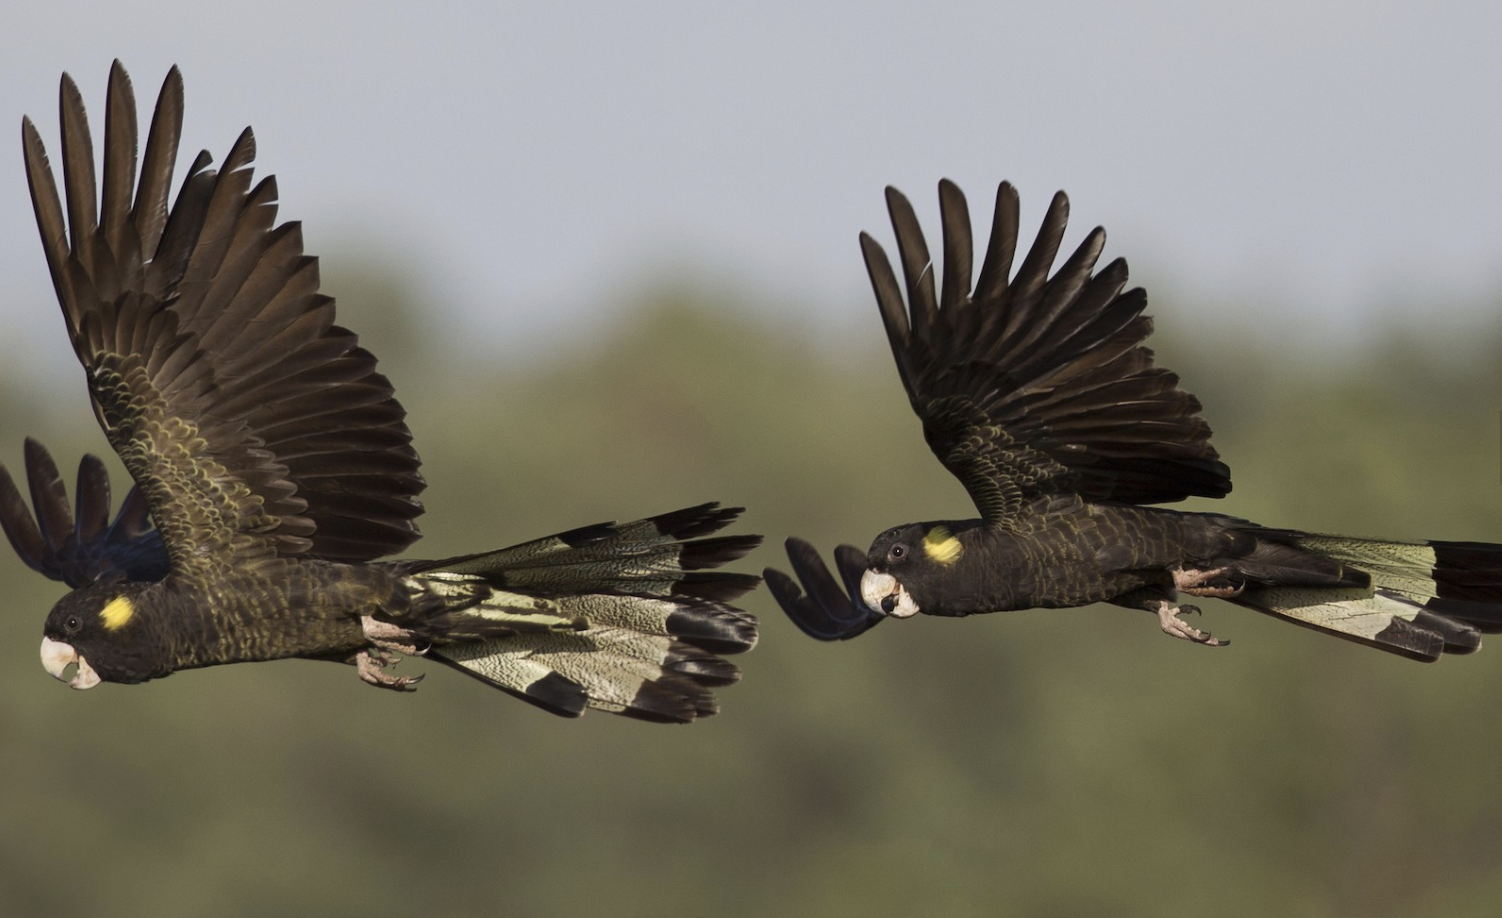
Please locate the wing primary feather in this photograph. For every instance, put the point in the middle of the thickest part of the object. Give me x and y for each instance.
(954, 214)
(18, 524)
(150, 212)
(851, 563)
(216, 228)
(78, 170)
(917, 266)
(48, 496)
(1062, 312)
(48, 207)
(826, 612)
(92, 498)
(119, 160)
(1033, 273)
(1002, 247)
(80, 548)
(889, 301)
(183, 223)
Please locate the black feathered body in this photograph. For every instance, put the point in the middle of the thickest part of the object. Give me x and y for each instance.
(1065, 553)
(630, 618)
(273, 466)
(1069, 553)
(1416, 599)
(273, 610)
(1035, 389)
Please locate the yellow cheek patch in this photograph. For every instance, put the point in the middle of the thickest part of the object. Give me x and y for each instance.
(942, 546)
(116, 613)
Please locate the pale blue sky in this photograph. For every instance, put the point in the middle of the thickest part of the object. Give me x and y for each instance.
(529, 165)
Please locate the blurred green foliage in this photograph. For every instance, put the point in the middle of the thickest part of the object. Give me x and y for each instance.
(1065, 763)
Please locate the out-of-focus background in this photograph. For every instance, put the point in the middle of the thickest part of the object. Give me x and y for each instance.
(607, 254)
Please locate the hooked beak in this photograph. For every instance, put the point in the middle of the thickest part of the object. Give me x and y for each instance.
(882, 593)
(58, 656)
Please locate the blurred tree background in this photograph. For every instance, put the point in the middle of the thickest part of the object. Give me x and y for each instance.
(1065, 763)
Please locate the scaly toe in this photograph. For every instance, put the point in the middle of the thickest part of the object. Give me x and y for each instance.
(372, 666)
(1169, 621)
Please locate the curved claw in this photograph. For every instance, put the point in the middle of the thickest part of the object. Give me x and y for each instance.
(1174, 626)
(827, 612)
(372, 665)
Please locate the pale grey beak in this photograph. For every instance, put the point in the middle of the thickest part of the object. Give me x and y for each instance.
(58, 656)
(882, 593)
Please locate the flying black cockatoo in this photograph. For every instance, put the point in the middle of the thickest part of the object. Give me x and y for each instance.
(1037, 393)
(272, 466)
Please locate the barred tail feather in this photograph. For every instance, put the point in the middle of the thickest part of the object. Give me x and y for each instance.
(611, 669)
(627, 618)
(1425, 599)
(660, 555)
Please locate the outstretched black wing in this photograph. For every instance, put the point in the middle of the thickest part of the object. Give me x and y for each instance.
(249, 420)
(829, 612)
(1036, 385)
(80, 547)
(1027, 385)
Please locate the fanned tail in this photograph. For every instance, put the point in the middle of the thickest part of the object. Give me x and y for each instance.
(1423, 599)
(629, 618)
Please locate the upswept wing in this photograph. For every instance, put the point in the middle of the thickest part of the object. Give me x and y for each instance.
(1036, 386)
(250, 422)
(83, 547)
